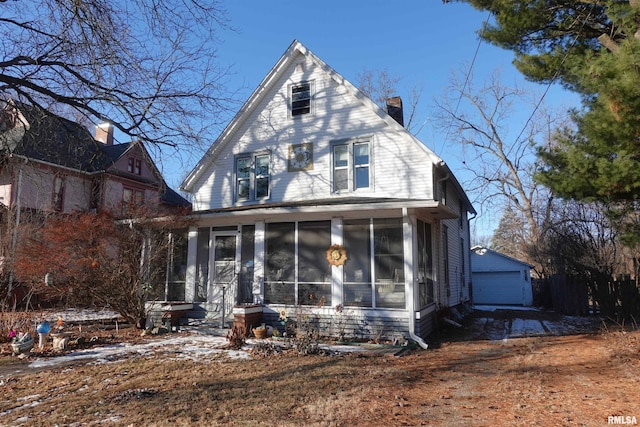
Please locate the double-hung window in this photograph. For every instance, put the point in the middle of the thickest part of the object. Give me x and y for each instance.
(132, 197)
(351, 165)
(300, 97)
(134, 166)
(253, 176)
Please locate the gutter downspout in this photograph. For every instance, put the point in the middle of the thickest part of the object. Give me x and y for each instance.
(408, 227)
(443, 197)
(442, 164)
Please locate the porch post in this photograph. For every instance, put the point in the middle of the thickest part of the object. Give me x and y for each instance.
(258, 263)
(410, 255)
(336, 271)
(190, 277)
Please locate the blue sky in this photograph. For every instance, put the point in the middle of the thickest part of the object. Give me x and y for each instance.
(420, 41)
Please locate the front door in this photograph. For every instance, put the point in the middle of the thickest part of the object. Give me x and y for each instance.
(224, 279)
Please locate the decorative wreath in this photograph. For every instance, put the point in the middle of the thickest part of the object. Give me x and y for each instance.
(336, 255)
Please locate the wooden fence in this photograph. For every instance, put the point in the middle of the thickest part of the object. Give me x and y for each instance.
(572, 295)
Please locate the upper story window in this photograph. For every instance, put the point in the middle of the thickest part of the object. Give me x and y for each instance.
(300, 99)
(58, 193)
(351, 165)
(134, 166)
(131, 198)
(96, 194)
(253, 176)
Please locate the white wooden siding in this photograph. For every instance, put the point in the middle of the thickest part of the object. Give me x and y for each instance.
(459, 270)
(400, 167)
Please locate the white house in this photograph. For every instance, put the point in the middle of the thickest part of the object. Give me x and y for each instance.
(499, 279)
(314, 198)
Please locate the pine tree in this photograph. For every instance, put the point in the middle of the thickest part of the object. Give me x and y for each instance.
(509, 237)
(592, 48)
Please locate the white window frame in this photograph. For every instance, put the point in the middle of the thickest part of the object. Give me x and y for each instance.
(352, 167)
(293, 112)
(253, 178)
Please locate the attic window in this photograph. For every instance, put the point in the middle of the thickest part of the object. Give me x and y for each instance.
(300, 99)
(134, 166)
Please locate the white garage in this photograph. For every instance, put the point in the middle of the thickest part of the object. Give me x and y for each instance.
(499, 279)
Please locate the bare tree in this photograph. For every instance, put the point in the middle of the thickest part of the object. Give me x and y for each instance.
(380, 85)
(148, 67)
(502, 160)
(94, 259)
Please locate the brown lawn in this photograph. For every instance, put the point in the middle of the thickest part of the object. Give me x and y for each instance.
(575, 380)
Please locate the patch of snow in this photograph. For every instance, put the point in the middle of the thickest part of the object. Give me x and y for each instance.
(526, 328)
(26, 405)
(30, 397)
(179, 347)
(79, 315)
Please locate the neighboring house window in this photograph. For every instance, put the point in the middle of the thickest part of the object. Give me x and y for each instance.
(96, 194)
(253, 176)
(134, 166)
(351, 165)
(58, 193)
(300, 99)
(132, 197)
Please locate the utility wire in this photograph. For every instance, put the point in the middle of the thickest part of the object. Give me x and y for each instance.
(552, 81)
(466, 81)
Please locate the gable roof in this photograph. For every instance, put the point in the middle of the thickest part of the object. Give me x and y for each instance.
(53, 139)
(480, 250)
(36, 134)
(286, 60)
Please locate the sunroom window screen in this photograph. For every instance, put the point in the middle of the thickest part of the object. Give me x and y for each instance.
(357, 269)
(314, 272)
(280, 263)
(389, 263)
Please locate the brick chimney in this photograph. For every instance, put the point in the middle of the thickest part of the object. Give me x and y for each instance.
(394, 109)
(104, 133)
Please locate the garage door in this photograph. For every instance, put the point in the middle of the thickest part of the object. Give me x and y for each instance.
(497, 288)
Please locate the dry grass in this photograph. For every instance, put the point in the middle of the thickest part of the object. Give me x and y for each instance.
(15, 320)
(574, 380)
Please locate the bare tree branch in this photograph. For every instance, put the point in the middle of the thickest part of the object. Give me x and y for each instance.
(147, 66)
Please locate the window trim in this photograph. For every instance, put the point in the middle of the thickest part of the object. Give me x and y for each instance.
(378, 286)
(134, 166)
(311, 99)
(253, 177)
(302, 292)
(134, 202)
(351, 164)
